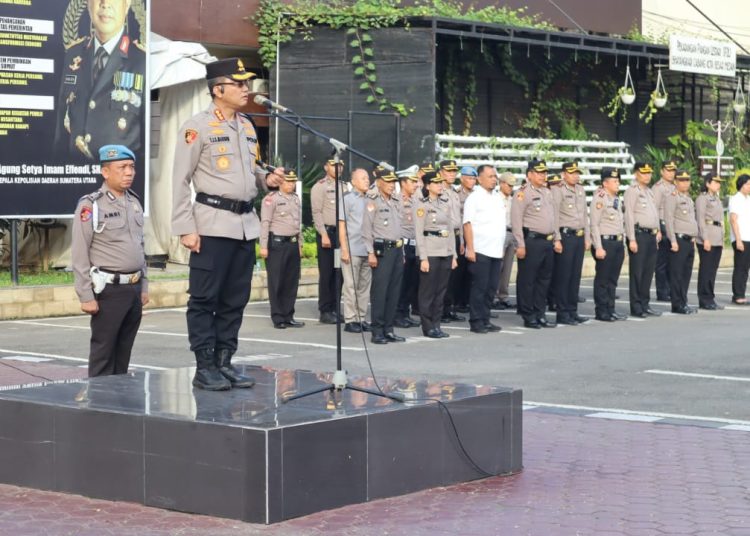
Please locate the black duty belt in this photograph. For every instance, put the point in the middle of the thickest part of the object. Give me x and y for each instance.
(442, 233)
(330, 228)
(282, 239)
(457, 232)
(617, 237)
(647, 230)
(509, 229)
(224, 203)
(570, 231)
(527, 233)
(683, 236)
(389, 244)
(713, 222)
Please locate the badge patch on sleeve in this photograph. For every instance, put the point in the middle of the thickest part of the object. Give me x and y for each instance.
(520, 196)
(190, 135)
(420, 212)
(599, 206)
(85, 214)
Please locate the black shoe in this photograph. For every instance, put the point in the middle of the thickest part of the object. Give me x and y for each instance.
(667, 299)
(456, 318)
(494, 315)
(461, 308)
(207, 375)
(581, 319)
(378, 339)
(392, 337)
(682, 310)
(532, 324)
(546, 323)
(581, 299)
(445, 319)
(327, 318)
(365, 326)
(279, 325)
(353, 327)
(709, 307)
(653, 312)
(294, 324)
(434, 333)
(619, 316)
(479, 329)
(402, 323)
(638, 315)
(552, 308)
(223, 358)
(567, 321)
(605, 318)
(443, 334)
(493, 327)
(498, 305)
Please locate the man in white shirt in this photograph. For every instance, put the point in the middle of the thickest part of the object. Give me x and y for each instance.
(739, 223)
(484, 238)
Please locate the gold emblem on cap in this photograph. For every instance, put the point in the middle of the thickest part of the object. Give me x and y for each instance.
(240, 66)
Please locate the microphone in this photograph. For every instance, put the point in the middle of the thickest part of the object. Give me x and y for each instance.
(265, 166)
(260, 100)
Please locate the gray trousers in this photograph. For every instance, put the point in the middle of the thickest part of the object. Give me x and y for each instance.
(508, 254)
(356, 290)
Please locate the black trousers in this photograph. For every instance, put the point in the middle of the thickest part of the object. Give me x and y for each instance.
(680, 270)
(552, 289)
(607, 274)
(485, 275)
(534, 278)
(409, 284)
(740, 270)
(662, 267)
(642, 266)
(567, 275)
(432, 288)
(709, 265)
(459, 284)
(220, 279)
(385, 290)
(328, 279)
(113, 329)
(283, 270)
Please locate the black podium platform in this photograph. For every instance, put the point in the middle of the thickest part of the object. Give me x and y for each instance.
(150, 438)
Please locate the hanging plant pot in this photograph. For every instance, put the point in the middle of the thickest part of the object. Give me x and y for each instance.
(739, 103)
(739, 108)
(660, 102)
(627, 91)
(627, 98)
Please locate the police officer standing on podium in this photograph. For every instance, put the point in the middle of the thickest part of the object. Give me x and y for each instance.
(533, 222)
(381, 231)
(216, 152)
(109, 262)
(643, 235)
(682, 228)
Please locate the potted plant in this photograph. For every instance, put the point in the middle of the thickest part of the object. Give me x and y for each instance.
(627, 95)
(659, 98)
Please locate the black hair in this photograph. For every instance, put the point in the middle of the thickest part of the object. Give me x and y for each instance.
(741, 180)
(481, 167)
(213, 82)
(707, 178)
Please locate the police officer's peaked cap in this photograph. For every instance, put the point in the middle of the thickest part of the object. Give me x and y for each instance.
(426, 167)
(537, 165)
(553, 179)
(290, 175)
(231, 68)
(571, 167)
(670, 165)
(382, 173)
(610, 173)
(432, 176)
(682, 175)
(449, 165)
(643, 167)
(113, 153)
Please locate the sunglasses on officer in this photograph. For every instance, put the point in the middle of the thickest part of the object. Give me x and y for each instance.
(239, 84)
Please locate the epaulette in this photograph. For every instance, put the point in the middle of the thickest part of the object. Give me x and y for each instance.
(373, 195)
(321, 181)
(75, 42)
(523, 186)
(132, 192)
(396, 197)
(139, 45)
(92, 196)
(601, 193)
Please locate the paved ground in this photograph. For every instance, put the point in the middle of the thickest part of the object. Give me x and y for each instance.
(590, 466)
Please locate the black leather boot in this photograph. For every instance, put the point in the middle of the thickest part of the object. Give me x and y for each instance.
(224, 362)
(207, 376)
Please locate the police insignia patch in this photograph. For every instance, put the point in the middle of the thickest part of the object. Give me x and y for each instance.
(190, 135)
(420, 212)
(520, 196)
(599, 206)
(222, 162)
(85, 214)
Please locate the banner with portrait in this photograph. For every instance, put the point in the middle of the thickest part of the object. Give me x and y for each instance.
(72, 79)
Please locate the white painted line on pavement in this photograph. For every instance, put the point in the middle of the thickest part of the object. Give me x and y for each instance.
(69, 358)
(737, 427)
(697, 375)
(631, 412)
(27, 358)
(624, 417)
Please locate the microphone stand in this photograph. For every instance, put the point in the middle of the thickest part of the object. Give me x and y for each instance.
(340, 380)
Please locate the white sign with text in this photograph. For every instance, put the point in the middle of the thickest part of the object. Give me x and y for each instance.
(702, 56)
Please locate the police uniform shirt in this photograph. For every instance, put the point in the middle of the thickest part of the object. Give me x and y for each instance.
(107, 110)
(640, 209)
(661, 190)
(382, 219)
(606, 217)
(570, 202)
(485, 212)
(279, 215)
(456, 207)
(463, 195)
(353, 214)
(218, 156)
(408, 205)
(534, 209)
(323, 203)
(679, 215)
(119, 245)
(710, 216)
(434, 215)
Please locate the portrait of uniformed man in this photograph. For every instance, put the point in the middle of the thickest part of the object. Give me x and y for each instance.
(103, 87)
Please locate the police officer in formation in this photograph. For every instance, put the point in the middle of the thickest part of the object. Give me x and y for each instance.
(448, 170)
(461, 278)
(381, 231)
(281, 247)
(410, 283)
(710, 240)
(533, 222)
(437, 252)
(553, 182)
(606, 238)
(573, 224)
(323, 208)
(109, 262)
(642, 234)
(661, 190)
(682, 228)
(216, 157)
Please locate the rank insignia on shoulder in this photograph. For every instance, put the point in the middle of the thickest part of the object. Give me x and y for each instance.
(601, 193)
(214, 124)
(76, 63)
(85, 214)
(190, 135)
(217, 131)
(420, 212)
(219, 115)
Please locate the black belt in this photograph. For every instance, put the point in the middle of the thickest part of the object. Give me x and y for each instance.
(570, 231)
(683, 236)
(457, 232)
(617, 237)
(509, 229)
(639, 229)
(533, 234)
(283, 239)
(388, 244)
(224, 203)
(442, 233)
(713, 222)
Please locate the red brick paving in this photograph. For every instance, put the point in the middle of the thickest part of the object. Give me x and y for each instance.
(582, 477)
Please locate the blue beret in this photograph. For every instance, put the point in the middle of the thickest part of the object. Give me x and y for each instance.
(113, 153)
(468, 170)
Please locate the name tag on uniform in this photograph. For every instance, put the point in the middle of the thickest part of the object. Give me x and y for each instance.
(71, 78)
